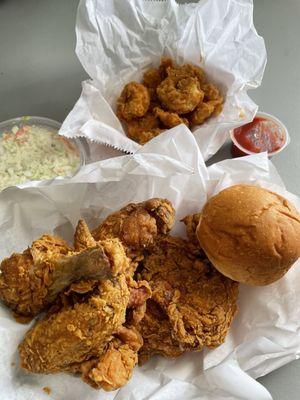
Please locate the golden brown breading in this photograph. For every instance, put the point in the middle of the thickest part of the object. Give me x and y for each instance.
(187, 71)
(76, 332)
(201, 113)
(172, 90)
(31, 281)
(197, 300)
(114, 367)
(152, 78)
(180, 95)
(191, 222)
(169, 119)
(156, 331)
(25, 277)
(133, 102)
(137, 225)
(139, 290)
(143, 129)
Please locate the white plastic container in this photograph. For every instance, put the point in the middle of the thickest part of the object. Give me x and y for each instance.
(12, 126)
(283, 129)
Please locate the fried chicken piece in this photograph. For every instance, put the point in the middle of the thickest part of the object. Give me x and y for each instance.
(156, 332)
(31, 281)
(139, 290)
(180, 95)
(133, 102)
(137, 225)
(168, 119)
(143, 129)
(114, 368)
(87, 322)
(191, 222)
(198, 302)
(77, 332)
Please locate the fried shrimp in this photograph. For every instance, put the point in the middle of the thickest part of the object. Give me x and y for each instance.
(145, 136)
(201, 113)
(169, 119)
(133, 102)
(143, 129)
(211, 92)
(152, 78)
(168, 96)
(187, 71)
(180, 95)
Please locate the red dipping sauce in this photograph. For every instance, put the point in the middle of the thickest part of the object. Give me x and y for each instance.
(262, 134)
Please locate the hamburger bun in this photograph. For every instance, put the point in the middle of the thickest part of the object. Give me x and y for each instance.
(250, 234)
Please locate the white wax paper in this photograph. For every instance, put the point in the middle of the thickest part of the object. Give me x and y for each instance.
(265, 333)
(118, 40)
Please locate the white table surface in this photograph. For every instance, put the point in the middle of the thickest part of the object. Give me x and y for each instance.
(40, 75)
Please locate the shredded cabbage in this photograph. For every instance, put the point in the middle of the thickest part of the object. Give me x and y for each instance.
(33, 152)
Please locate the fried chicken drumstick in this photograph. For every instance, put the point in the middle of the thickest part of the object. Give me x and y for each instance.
(87, 331)
(31, 281)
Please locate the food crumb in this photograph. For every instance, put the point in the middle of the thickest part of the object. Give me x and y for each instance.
(242, 113)
(47, 390)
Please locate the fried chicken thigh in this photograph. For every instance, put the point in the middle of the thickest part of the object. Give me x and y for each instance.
(190, 299)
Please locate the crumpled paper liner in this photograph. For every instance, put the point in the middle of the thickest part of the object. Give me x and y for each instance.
(118, 40)
(265, 333)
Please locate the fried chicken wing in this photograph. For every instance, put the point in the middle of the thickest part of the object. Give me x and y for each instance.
(31, 281)
(137, 225)
(88, 330)
(197, 301)
(133, 102)
(77, 332)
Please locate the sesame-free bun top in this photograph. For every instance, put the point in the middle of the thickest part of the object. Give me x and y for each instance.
(250, 234)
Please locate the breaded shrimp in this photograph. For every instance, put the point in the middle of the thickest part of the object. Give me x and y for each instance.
(169, 119)
(133, 102)
(180, 95)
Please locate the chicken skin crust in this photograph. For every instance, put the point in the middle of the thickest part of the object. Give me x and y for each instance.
(77, 332)
(31, 281)
(137, 225)
(133, 102)
(196, 301)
